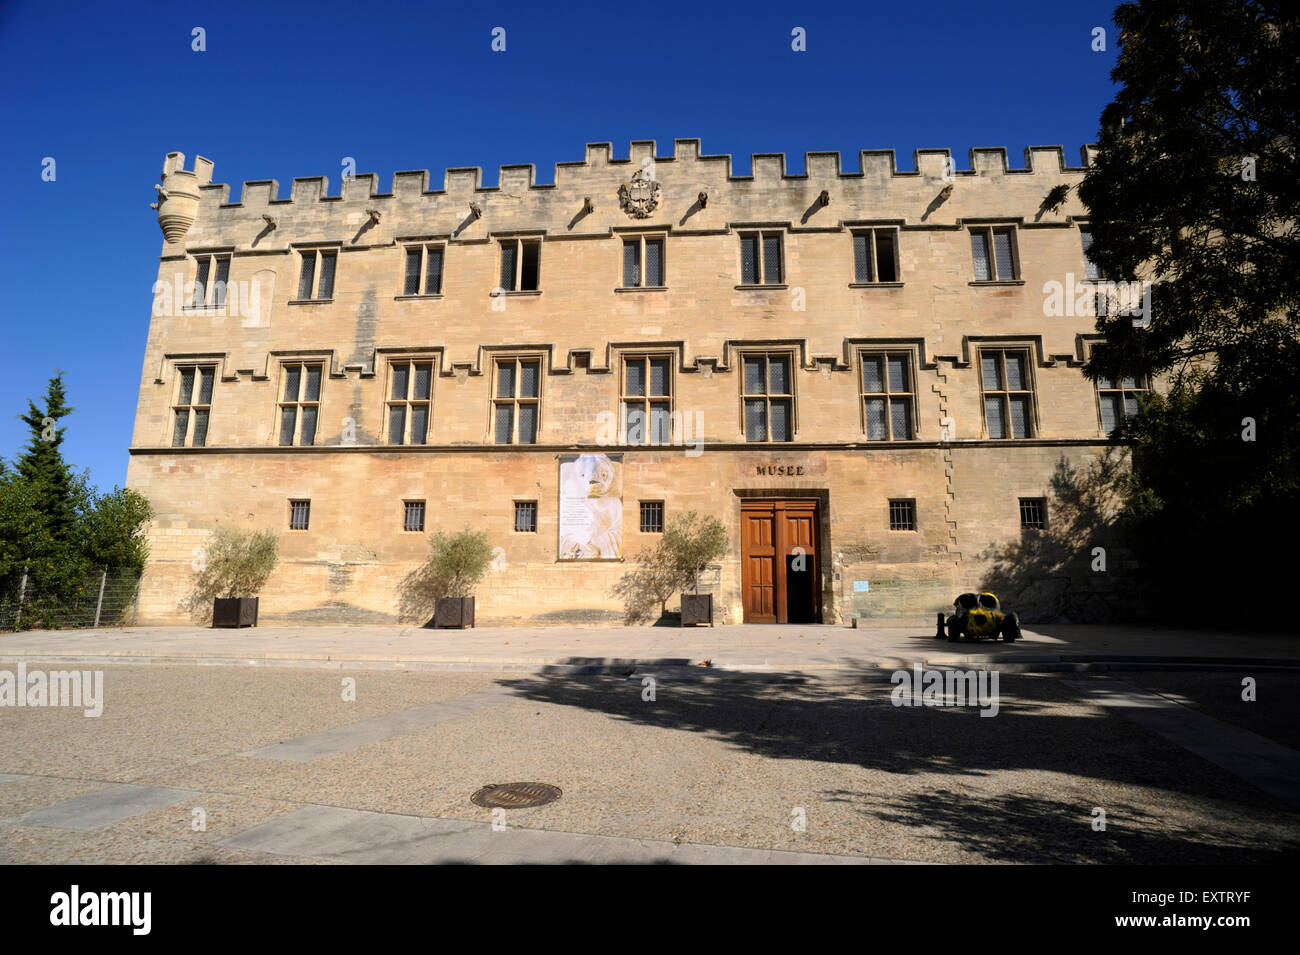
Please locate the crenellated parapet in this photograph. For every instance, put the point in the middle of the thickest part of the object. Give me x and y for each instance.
(687, 191)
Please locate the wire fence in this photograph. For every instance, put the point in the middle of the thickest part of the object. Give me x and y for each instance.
(102, 599)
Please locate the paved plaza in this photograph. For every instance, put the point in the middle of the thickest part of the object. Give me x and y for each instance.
(771, 754)
(750, 648)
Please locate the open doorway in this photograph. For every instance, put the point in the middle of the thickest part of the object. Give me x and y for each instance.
(780, 582)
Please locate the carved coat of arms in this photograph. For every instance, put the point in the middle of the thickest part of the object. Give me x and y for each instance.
(639, 197)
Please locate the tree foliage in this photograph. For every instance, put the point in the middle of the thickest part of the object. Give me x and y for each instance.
(689, 543)
(235, 563)
(111, 530)
(647, 587)
(457, 562)
(22, 538)
(693, 542)
(55, 527)
(1196, 187)
(42, 467)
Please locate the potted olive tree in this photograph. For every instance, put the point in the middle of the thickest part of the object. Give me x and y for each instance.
(232, 570)
(692, 543)
(457, 562)
(646, 589)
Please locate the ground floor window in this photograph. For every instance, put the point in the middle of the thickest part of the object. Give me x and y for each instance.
(413, 516)
(652, 517)
(526, 516)
(902, 515)
(299, 515)
(1033, 513)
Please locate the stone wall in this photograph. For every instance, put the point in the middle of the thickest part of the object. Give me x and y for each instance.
(350, 564)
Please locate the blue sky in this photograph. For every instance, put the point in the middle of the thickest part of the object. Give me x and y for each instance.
(287, 90)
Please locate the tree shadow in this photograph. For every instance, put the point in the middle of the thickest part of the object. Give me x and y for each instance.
(417, 596)
(1022, 828)
(792, 715)
(1041, 727)
(1078, 568)
(645, 589)
(197, 605)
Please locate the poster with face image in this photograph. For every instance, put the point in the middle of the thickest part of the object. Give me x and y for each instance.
(591, 507)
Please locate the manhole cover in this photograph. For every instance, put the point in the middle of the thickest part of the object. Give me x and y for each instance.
(515, 795)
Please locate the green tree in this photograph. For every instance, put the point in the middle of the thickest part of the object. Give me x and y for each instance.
(112, 530)
(234, 563)
(1196, 186)
(457, 562)
(42, 466)
(648, 586)
(20, 536)
(688, 544)
(59, 531)
(693, 542)
(53, 498)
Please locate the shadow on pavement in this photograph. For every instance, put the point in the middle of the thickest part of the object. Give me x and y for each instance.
(1016, 827)
(849, 719)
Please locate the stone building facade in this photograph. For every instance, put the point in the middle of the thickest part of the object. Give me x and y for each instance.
(861, 374)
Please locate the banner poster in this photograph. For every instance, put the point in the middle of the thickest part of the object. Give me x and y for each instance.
(591, 507)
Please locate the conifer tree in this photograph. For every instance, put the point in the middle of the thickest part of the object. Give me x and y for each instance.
(54, 494)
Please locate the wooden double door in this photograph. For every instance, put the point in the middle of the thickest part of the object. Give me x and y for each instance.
(778, 553)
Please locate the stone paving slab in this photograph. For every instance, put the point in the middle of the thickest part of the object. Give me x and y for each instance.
(117, 802)
(1270, 766)
(376, 838)
(10, 778)
(343, 738)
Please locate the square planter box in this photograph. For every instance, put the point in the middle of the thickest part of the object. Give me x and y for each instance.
(697, 608)
(454, 612)
(234, 612)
